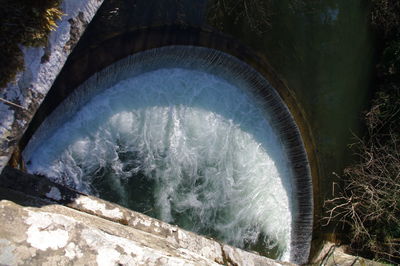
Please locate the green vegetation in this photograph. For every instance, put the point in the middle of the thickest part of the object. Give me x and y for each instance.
(368, 199)
(23, 22)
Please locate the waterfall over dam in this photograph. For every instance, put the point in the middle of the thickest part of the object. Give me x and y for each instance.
(189, 135)
(98, 109)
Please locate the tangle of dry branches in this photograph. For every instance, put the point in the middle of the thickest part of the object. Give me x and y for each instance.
(368, 198)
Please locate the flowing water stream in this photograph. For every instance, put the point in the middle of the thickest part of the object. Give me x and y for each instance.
(190, 145)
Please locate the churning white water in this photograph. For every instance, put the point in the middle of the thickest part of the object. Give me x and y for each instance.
(189, 147)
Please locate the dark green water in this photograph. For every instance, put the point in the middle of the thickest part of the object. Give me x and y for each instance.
(138, 193)
(323, 50)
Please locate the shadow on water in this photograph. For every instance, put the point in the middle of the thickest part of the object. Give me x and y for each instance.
(30, 190)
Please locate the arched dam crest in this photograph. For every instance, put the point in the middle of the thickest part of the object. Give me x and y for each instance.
(85, 62)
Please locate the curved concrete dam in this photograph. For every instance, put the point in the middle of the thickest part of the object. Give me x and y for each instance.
(191, 136)
(159, 150)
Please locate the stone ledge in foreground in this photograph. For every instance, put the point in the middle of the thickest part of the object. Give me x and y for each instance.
(45, 223)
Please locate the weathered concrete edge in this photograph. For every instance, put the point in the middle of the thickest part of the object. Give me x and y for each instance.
(42, 65)
(55, 235)
(331, 254)
(40, 192)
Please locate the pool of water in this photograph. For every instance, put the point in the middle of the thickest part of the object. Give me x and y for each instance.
(181, 134)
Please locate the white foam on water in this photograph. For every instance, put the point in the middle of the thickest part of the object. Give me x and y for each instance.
(210, 151)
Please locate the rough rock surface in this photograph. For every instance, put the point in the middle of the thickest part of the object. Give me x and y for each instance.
(37, 230)
(42, 65)
(332, 255)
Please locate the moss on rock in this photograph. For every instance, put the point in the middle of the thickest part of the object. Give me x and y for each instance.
(23, 22)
